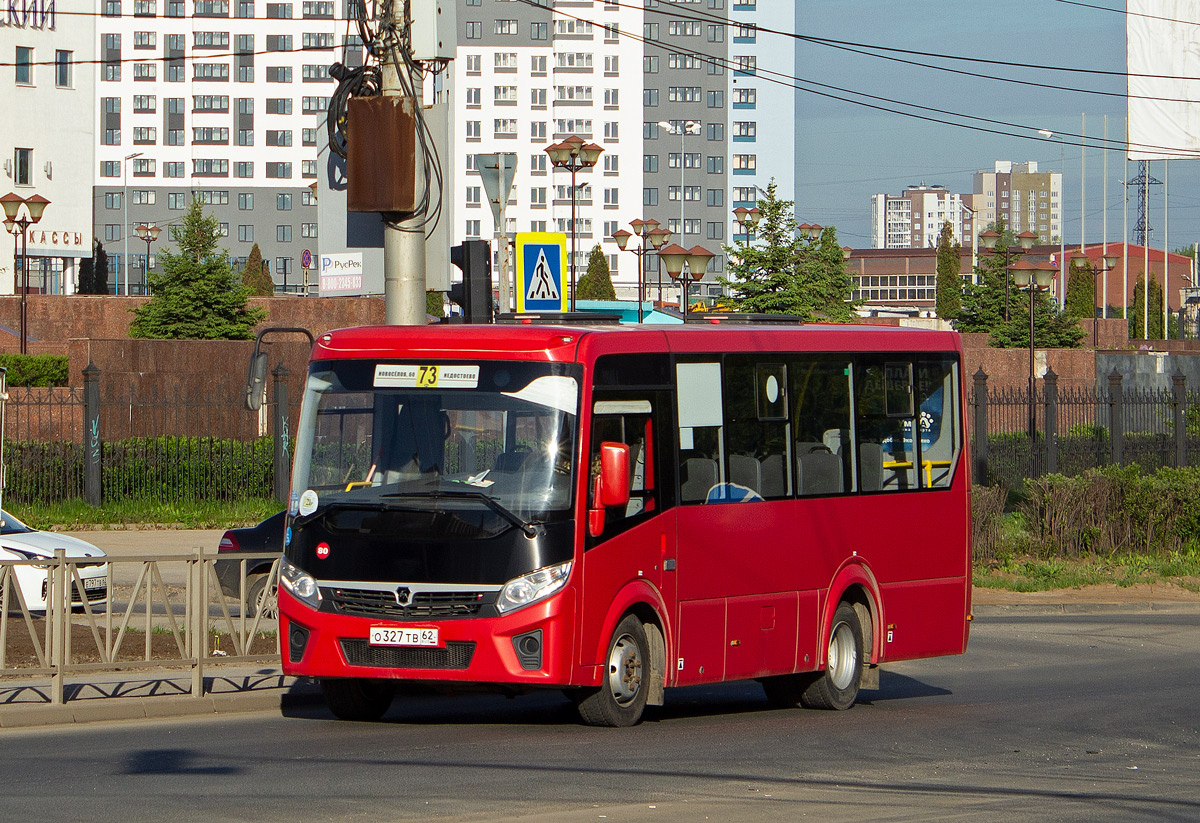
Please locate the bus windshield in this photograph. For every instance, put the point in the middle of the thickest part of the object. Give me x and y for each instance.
(487, 434)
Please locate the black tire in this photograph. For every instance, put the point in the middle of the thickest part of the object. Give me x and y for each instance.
(786, 690)
(621, 698)
(358, 698)
(837, 687)
(261, 598)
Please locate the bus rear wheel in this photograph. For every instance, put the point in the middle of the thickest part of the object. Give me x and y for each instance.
(837, 686)
(357, 698)
(621, 698)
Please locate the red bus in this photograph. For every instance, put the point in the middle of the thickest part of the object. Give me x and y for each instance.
(613, 511)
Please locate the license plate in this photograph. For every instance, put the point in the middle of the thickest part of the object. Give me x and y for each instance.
(389, 636)
(90, 583)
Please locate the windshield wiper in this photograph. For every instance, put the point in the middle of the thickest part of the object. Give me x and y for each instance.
(527, 528)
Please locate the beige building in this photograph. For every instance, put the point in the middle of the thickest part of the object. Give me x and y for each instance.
(1027, 200)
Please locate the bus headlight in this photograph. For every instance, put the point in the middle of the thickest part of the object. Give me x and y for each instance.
(530, 588)
(299, 583)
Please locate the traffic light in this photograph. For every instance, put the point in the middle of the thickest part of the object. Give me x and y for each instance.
(474, 293)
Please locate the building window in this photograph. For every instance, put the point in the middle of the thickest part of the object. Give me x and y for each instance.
(716, 165)
(314, 105)
(279, 137)
(24, 66)
(308, 137)
(308, 230)
(474, 30)
(650, 64)
(211, 8)
(110, 168)
(279, 74)
(246, 200)
(538, 31)
(62, 69)
(210, 168)
(537, 64)
(245, 234)
(504, 27)
(317, 9)
(279, 42)
(315, 74)
(283, 234)
(112, 200)
(317, 40)
(308, 169)
(144, 104)
(173, 169)
(145, 39)
(176, 200)
(283, 202)
(716, 99)
(144, 135)
(649, 197)
(243, 169)
(279, 105)
(283, 11)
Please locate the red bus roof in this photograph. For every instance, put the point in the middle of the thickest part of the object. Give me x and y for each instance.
(570, 343)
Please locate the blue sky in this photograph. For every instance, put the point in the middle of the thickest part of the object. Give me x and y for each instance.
(848, 153)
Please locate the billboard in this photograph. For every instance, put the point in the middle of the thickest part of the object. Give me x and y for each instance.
(1163, 86)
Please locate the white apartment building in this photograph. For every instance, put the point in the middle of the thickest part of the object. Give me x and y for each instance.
(914, 219)
(220, 100)
(46, 136)
(762, 111)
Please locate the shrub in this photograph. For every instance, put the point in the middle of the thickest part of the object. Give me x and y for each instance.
(35, 369)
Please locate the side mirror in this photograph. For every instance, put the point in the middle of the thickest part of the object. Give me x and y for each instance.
(256, 379)
(611, 486)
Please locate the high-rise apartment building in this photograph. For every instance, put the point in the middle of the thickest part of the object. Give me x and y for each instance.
(218, 100)
(914, 219)
(1026, 199)
(649, 86)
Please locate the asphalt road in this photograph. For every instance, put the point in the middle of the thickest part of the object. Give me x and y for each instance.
(1065, 718)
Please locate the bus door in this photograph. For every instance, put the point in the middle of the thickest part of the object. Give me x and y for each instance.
(637, 543)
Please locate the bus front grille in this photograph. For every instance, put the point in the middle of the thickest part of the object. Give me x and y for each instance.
(456, 655)
(424, 605)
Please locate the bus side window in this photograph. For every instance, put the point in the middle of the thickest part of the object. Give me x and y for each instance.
(629, 422)
(937, 421)
(820, 426)
(756, 403)
(884, 425)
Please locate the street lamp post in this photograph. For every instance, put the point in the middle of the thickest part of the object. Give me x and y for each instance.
(149, 233)
(1105, 264)
(125, 221)
(748, 220)
(573, 155)
(17, 225)
(990, 238)
(1032, 278)
(648, 231)
(674, 257)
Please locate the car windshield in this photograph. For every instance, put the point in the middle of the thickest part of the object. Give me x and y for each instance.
(466, 436)
(12, 525)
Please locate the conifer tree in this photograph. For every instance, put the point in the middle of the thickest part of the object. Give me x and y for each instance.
(196, 296)
(949, 283)
(255, 277)
(596, 284)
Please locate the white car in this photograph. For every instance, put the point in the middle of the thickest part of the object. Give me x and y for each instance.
(20, 542)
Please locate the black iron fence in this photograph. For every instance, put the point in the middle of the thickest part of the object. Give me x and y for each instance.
(116, 442)
(1015, 435)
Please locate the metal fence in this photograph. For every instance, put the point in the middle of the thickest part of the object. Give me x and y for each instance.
(157, 611)
(112, 442)
(1016, 435)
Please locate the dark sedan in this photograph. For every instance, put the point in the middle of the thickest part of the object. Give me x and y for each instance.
(235, 544)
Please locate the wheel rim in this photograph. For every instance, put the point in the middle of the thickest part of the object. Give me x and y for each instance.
(625, 670)
(843, 656)
(267, 603)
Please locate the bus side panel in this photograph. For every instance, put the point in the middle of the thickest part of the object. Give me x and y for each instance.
(924, 618)
(636, 554)
(701, 649)
(761, 633)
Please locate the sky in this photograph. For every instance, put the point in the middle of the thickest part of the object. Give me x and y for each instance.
(849, 152)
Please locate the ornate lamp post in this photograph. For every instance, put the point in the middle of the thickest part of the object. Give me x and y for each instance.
(17, 225)
(149, 233)
(572, 155)
(748, 220)
(1032, 278)
(989, 239)
(1103, 266)
(648, 231)
(675, 257)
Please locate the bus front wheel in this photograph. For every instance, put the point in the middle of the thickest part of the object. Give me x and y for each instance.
(357, 698)
(621, 698)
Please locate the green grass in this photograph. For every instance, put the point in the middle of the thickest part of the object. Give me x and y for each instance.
(77, 515)
(1029, 575)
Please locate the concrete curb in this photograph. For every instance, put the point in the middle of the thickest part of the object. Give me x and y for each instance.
(293, 693)
(1045, 609)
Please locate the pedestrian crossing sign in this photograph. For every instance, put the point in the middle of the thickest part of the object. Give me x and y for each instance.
(541, 261)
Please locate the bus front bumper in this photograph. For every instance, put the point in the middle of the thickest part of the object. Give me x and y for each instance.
(531, 647)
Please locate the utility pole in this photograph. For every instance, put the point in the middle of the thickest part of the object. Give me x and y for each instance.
(404, 240)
